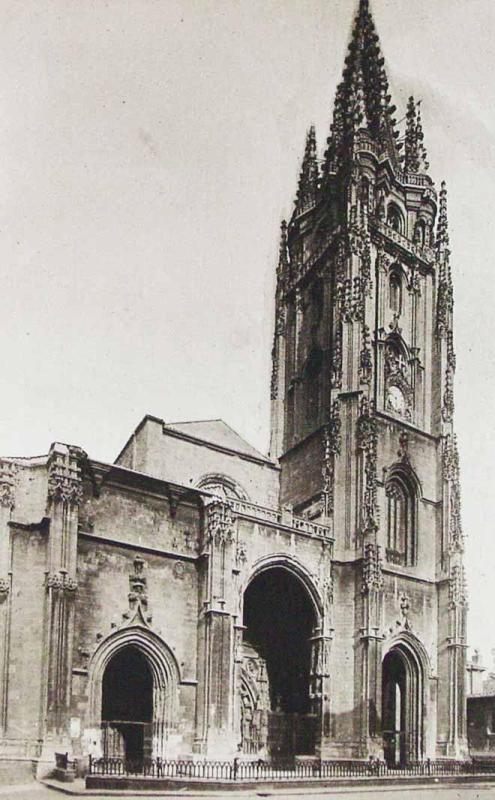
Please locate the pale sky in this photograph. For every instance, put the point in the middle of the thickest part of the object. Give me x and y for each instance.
(149, 151)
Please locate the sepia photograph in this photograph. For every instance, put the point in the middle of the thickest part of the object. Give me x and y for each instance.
(246, 536)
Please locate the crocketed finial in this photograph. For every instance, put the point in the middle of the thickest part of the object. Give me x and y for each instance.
(443, 223)
(309, 176)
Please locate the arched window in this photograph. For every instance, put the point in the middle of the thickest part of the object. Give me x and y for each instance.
(395, 292)
(365, 194)
(395, 218)
(317, 302)
(313, 369)
(401, 520)
(420, 233)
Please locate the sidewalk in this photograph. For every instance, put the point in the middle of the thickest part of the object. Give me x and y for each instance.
(343, 786)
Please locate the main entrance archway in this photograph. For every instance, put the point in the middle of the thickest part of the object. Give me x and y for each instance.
(127, 706)
(401, 707)
(279, 621)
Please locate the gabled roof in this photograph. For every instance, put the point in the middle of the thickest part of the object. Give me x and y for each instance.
(217, 432)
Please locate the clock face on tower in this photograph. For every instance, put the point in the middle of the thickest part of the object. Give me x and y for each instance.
(396, 401)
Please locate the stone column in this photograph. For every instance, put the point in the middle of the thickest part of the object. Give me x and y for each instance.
(371, 650)
(64, 496)
(217, 638)
(321, 641)
(7, 504)
(371, 584)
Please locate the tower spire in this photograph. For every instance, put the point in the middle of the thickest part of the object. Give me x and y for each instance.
(309, 175)
(362, 99)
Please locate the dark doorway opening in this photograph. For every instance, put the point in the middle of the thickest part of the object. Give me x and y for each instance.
(401, 708)
(127, 707)
(279, 620)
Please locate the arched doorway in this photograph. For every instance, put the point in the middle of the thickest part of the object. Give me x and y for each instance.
(127, 707)
(279, 623)
(401, 707)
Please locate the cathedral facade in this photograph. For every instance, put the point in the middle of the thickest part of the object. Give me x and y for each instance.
(199, 599)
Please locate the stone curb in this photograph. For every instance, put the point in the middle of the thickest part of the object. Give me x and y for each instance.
(342, 786)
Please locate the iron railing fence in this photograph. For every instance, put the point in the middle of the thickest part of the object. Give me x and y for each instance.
(260, 770)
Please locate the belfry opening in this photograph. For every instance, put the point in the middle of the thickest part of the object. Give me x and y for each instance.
(401, 708)
(127, 707)
(278, 715)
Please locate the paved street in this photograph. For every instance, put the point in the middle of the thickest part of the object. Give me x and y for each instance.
(479, 792)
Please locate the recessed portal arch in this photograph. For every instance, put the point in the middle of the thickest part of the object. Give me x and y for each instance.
(402, 705)
(280, 618)
(139, 646)
(127, 706)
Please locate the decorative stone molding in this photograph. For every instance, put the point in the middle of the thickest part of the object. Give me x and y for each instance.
(367, 438)
(64, 475)
(398, 389)
(332, 444)
(137, 596)
(337, 358)
(457, 588)
(7, 484)
(59, 583)
(372, 568)
(220, 522)
(403, 451)
(405, 607)
(4, 589)
(241, 554)
(365, 358)
(448, 395)
(450, 458)
(456, 536)
(414, 283)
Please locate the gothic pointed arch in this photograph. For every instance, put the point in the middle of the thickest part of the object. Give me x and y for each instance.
(284, 657)
(164, 672)
(397, 281)
(405, 668)
(395, 217)
(297, 569)
(403, 491)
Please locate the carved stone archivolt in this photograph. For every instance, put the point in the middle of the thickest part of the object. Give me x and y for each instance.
(60, 584)
(255, 699)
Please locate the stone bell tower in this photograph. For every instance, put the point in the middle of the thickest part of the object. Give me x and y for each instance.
(362, 412)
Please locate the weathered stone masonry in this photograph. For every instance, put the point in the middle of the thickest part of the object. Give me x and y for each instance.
(312, 602)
